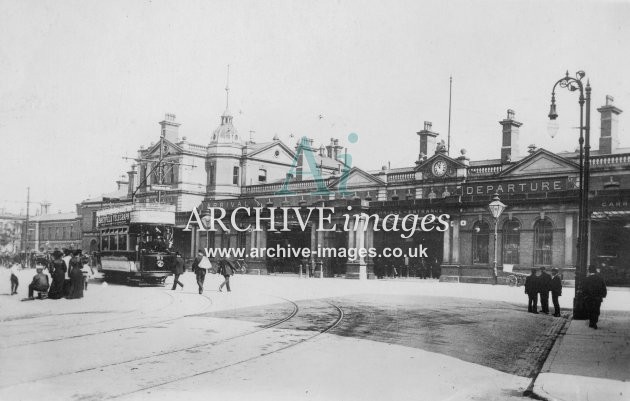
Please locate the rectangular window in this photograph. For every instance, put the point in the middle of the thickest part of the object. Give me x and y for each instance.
(122, 242)
(211, 174)
(105, 243)
(235, 176)
(113, 242)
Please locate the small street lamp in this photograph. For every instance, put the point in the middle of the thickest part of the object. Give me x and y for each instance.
(496, 208)
(575, 84)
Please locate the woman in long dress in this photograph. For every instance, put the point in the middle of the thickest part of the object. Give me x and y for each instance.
(76, 277)
(58, 271)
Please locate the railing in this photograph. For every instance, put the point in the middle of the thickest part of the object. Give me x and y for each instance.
(484, 170)
(399, 177)
(294, 185)
(607, 160)
(195, 147)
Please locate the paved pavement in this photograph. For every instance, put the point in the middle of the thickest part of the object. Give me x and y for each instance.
(587, 364)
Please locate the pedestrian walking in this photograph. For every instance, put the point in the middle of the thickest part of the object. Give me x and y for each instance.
(556, 291)
(594, 290)
(226, 270)
(14, 279)
(544, 286)
(178, 270)
(531, 289)
(58, 271)
(200, 267)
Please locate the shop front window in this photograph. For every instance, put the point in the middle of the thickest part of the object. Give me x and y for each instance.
(481, 241)
(511, 241)
(543, 241)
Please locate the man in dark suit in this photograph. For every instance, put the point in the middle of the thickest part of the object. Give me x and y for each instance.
(556, 291)
(178, 270)
(594, 290)
(544, 285)
(531, 289)
(200, 272)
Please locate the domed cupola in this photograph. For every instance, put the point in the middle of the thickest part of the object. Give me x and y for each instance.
(226, 133)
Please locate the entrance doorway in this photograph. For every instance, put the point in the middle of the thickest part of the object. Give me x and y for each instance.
(284, 244)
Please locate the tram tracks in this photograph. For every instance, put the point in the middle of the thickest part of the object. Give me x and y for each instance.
(93, 333)
(158, 354)
(328, 328)
(272, 343)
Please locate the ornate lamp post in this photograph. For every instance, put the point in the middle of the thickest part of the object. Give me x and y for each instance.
(496, 208)
(574, 84)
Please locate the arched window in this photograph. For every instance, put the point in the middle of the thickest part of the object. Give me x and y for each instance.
(543, 241)
(511, 241)
(262, 175)
(480, 241)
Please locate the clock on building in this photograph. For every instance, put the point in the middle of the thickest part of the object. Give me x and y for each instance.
(439, 168)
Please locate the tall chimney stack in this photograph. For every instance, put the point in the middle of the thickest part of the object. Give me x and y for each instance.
(170, 128)
(427, 141)
(509, 147)
(609, 139)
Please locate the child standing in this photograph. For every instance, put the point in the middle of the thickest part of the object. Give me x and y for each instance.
(87, 271)
(14, 280)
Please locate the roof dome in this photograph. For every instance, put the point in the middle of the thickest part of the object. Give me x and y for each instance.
(226, 132)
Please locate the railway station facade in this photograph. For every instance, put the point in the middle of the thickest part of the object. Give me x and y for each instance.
(540, 189)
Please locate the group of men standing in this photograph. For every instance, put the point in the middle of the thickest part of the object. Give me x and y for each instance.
(539, 284)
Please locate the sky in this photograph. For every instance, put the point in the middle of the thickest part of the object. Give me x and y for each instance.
(85, 83)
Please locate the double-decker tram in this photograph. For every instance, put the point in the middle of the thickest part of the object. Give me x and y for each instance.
(136, 242)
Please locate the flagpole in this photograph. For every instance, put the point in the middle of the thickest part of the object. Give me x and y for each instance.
(450, 91)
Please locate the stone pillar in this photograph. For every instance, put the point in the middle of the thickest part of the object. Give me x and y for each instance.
(356, 269)
(446, 254)
(193, 236)
(568, 240)
(455, 245)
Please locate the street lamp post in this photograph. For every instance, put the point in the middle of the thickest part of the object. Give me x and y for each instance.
(496, 208)
(574, 84)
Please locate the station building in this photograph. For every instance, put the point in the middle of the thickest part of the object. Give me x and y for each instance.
(540, 189)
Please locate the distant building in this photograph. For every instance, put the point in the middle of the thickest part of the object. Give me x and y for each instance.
(11, 232)
(48, 232)
(86, 212)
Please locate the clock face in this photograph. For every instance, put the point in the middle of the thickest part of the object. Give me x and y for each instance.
(439, 168)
